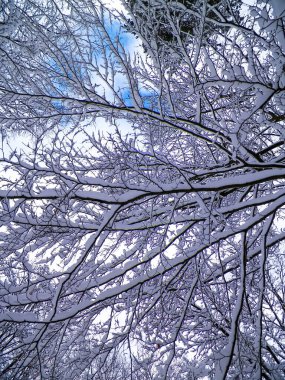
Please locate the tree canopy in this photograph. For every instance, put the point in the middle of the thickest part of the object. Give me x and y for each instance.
(141, 211)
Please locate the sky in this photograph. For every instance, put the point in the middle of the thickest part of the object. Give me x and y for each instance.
(18, 141)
